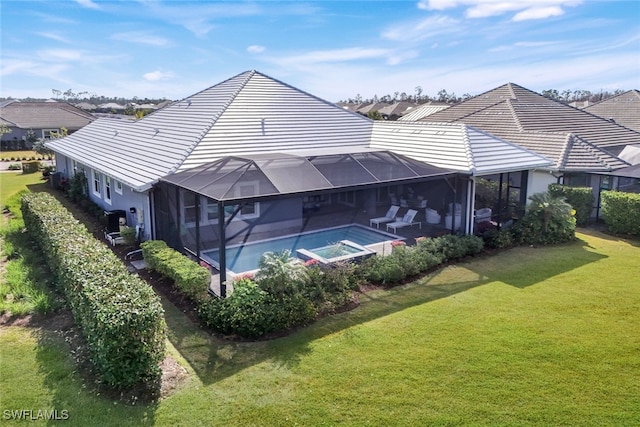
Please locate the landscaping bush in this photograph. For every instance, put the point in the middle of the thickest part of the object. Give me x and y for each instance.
(30, 167)
(330, 287)
(14, 167)
(497, 239)
(120, 316)
(580, 198)
(188, 276)
(621, 212)
(548, 220)
(252, 312)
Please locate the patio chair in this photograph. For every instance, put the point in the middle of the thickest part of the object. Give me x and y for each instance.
(483, 215)
(388, 217)
(406, 221)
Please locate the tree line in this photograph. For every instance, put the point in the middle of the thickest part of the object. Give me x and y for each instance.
(443, 96)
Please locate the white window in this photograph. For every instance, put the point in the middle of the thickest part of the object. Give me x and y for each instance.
(46, 133)
(107, 189)
(96, 183)
(118, 186)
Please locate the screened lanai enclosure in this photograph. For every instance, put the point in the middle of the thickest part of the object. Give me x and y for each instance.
(229, 212)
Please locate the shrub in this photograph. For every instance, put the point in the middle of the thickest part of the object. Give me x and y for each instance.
(128, 234)
(30, 167)
(580, 198)
(497, 239)
(120, 316)
(189, 277)
(330, 287)
(621, 212)
(252, 312)
(548, 220)
(14, 167)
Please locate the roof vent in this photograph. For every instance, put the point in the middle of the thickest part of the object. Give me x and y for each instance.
(262, 125)
(156, 131)
(115, 133)
(188, 103)
(612, 120)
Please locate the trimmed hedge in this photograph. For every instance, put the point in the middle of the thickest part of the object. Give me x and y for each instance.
(621, 212)
(405, 262)
(580, 198)
(120, 315)
(188, 276)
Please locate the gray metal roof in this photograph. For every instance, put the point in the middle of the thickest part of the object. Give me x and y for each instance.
(422, 111)
(455, 146)
(276, 174)
(512, 108)
(248, 113)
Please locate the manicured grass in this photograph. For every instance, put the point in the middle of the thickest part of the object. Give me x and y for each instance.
(25, 281)
(13, 182)
(531, 336)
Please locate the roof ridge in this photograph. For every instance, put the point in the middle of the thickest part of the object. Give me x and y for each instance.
(467, 148)
(566, 149)
(598, 152)
(514, 114)
(194, 144)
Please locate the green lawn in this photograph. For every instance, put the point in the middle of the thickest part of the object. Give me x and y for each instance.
(531, 336)
(12, 182)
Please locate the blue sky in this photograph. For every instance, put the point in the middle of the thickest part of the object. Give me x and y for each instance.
(332, 49)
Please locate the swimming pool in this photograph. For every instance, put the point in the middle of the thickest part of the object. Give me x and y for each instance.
(246, 257)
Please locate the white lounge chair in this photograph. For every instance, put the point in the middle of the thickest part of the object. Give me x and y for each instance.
(406, 221)
(483, 215)
(388, 217)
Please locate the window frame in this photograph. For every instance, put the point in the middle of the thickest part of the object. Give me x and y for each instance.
(118, 186)
(107, 188)
(97, 183)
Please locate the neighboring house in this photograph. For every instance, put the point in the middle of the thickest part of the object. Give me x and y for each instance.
(252, 158)
(396, 110)
(623, 109)
(43, 118)
(582, 145)
(371, 108)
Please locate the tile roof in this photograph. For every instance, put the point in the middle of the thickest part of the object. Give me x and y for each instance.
(624, 109)
(510, 109)
(44, 115)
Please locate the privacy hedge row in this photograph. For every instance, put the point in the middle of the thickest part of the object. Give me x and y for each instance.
(188, 276)
(621, 212)
(580, 198)
(120, 315)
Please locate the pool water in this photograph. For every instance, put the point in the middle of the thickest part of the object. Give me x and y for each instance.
(247, 257)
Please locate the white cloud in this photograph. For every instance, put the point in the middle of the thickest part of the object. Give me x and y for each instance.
(54, 36)
(336, 55)
(141, 37)
(158, 75)
(419, 30)
(256, 49)
(525, 9)
(538, 13)
(60, 55)
(88, 4)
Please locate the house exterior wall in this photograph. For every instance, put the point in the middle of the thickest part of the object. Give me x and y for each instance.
(539, 181)
(122, 197)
